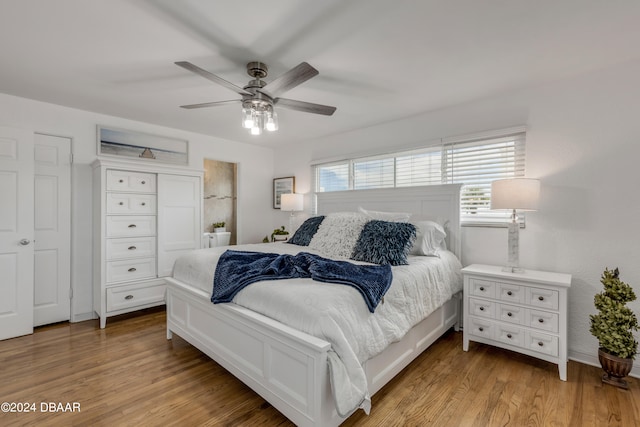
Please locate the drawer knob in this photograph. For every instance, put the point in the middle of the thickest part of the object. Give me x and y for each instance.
(132, 248)
(132, 226)
(144, 182)
(121, 203)
(540, 298)
(481, 308)
(121, 181)
(509, 314)
(540, 343)
(143, 203)
(481, 329)
(509, 336)
(540, 320)
(132, 269)
(482, 288)
(129, 297)
(509, 293)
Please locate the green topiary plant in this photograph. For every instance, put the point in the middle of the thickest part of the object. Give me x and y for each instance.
(614, 323)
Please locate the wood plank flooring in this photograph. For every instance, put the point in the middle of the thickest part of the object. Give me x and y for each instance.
(129, 374)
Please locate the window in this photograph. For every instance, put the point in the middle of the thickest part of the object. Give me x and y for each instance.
(472, 161)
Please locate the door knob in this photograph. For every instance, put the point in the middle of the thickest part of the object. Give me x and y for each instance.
(25, 242)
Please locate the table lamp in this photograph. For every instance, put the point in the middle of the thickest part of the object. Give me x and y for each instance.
(515, 194)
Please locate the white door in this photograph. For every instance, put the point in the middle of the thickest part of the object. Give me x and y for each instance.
(52, 226)
(16, 232)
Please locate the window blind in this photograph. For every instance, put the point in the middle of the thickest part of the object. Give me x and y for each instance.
(474, 162)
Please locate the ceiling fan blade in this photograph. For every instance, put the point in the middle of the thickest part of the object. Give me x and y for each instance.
(307, 107)
(209, 76)
(292, 78)
(210, 104)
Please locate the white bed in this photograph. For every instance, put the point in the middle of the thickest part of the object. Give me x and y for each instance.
(287, 367)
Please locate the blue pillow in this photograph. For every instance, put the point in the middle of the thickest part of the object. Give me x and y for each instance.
(307, 230)
(385, 242)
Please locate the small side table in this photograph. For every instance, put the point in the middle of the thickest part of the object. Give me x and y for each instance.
(523, 312)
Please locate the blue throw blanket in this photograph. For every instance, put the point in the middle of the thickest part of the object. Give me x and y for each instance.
(237, 269)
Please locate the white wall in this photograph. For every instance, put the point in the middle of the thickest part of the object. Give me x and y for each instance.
(255, 174)
(583, 142)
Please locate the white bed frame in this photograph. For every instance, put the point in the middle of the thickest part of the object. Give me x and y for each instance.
(288, 368)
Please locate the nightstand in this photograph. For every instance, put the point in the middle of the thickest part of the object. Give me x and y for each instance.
(523, 312)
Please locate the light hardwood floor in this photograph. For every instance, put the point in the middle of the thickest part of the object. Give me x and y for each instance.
(129, 374)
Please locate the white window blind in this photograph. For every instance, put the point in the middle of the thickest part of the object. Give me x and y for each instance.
(373, 173)
(474, 162)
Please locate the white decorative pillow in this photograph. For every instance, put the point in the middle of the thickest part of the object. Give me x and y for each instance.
(386, 216)
(429, 238)
(338, 234)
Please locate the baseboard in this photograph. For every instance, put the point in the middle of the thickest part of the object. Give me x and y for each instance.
(592, 359)
(81, 317)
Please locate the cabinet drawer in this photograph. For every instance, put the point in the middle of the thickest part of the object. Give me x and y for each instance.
(543, 343)
(510, 293)
(131, 226)
(140, 182)
(122, 297)
(126, 270)
(481, 328)
(136, 247)
(482, 308)
(511, 313)
(544, 320)
(482, 288)
(542, 298)
(131, 203)
(510, 335)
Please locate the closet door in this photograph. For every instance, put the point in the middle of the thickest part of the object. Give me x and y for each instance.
(52, 226)
(179, 224)
(16, 232)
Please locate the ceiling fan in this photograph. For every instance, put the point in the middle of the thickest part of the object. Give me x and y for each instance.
(259, 97)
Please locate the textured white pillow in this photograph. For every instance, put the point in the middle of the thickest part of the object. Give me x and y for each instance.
(338, 234)
(429, 238)
(386, 216)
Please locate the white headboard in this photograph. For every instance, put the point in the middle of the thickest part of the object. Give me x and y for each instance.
(440, 202)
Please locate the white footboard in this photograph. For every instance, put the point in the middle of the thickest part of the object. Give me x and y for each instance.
(288, 368)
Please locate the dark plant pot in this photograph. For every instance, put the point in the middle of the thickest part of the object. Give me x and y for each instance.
(616, 369)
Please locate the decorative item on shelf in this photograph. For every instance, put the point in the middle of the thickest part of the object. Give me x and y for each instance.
(515, 194)
(613, 326)
(219, 227)
(291, 202)
(279, 235)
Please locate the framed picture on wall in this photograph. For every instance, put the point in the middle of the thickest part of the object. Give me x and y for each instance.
(282, 186)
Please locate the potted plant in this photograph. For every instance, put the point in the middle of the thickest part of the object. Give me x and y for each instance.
(218, 227)
(279, 234)
(613, 326)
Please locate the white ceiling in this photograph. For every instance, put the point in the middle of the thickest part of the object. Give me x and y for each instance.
(379, 60)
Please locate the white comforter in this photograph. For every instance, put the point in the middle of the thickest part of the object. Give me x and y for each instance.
(338, 313)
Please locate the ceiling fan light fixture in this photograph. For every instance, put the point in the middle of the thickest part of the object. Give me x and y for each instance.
(256, 130)
(257, 105)
(248, 118)
(272, 122)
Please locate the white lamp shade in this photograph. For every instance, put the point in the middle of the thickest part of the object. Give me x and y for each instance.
(521, 194)
(291, 202)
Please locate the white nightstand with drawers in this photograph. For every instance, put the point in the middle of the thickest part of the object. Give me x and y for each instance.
(523, 312)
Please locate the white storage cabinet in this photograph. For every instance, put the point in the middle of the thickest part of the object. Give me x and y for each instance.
(145, 216)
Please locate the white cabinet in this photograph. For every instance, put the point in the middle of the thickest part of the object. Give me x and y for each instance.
(145, 216)
(523, 312)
